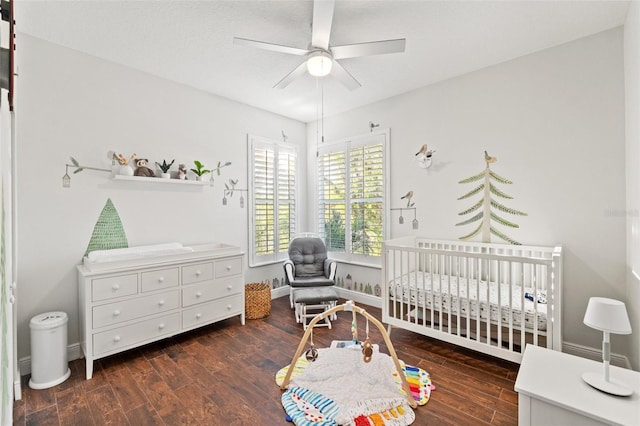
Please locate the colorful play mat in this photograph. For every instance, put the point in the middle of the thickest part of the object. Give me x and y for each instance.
(338, 388)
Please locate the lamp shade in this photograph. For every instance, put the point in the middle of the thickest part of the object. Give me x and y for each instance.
(319, 64)
(607, 315)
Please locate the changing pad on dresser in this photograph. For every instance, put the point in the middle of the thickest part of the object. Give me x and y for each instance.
(102, 260)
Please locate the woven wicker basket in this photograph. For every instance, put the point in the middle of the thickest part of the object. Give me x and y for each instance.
(257, 300)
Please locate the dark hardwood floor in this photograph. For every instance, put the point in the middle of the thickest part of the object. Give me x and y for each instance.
(223, 374)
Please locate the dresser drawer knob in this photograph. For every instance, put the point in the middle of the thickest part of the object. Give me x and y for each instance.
(161, 303)
(198, 315)
(198, 294)
(229, 287)
(228, 307)
(161, 279)
(198, 273)
(116, 313)
(115, 287)
(116, 339)
(161, 326)
(228, 267)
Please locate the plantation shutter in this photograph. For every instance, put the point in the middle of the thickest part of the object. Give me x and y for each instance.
(264, 228)
(286, 198)
(367, 199)
(273, 199)
(351, 191)
(332, 188)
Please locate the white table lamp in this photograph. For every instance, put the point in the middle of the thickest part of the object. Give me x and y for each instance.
(608, 316)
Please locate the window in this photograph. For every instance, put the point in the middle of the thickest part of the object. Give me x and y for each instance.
(273, 199)
(351, 197)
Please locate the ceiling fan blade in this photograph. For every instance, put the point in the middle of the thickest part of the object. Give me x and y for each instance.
(369, 48)
(339, 72)
(297, 72)
(270, 46)
(321, 24)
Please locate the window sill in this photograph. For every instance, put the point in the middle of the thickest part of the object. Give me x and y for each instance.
(363, 264)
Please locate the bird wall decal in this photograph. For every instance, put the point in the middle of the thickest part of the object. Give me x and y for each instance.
(424, 156)
(489, 159)
(408, 197)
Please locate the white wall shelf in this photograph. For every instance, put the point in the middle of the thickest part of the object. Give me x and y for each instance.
(204, 182)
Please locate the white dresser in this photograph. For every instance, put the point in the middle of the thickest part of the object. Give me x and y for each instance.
(551, 392)
(131, 302)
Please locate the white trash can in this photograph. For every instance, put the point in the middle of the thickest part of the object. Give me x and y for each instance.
(49, 360)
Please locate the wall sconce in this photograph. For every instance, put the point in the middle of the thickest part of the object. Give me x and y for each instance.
(608, 316)
(372, 126)
(230, 188)
(66, 179)
(414, 223)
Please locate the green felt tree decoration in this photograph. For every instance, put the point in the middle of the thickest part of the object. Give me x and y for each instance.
(487, 205)
(108, 232)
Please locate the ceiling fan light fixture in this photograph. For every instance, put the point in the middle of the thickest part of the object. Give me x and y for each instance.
(319, 63)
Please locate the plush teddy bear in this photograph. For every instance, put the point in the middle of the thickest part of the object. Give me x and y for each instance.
(142, 169)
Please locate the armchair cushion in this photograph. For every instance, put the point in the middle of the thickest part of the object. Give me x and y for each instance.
(308, 265)
(307, 255)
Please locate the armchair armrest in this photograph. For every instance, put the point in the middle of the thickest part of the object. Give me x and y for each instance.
(330, 267)
(288, 270)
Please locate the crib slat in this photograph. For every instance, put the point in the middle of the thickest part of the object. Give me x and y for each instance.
(523, 334)
(499, 304)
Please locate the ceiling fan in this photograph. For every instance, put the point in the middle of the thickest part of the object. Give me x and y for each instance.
(320, 57)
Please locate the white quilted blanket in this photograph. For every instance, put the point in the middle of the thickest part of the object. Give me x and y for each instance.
(471, 298)
(343, 376)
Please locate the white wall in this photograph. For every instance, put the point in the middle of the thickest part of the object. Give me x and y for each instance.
(555, 120)
(632, 110)
(72, 104)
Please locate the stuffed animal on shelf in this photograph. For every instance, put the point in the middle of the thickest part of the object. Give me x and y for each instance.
(182, 171)
(142, 168)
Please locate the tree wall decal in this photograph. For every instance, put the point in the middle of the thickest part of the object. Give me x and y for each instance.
(486, 205)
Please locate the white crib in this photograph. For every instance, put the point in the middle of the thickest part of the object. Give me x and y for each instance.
(492, 298)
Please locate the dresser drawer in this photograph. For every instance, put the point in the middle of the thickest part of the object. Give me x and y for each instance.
(139, 332)
(112, 287)
(197, 273)
(157, 280)
(209, 290)
(126, 310)
(228, 267)
(211, 311)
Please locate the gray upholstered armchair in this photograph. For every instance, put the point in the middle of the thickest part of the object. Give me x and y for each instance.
(308, 265)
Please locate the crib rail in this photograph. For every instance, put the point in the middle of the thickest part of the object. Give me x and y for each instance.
(487, 297)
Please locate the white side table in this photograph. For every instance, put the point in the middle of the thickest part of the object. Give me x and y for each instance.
(551, 392)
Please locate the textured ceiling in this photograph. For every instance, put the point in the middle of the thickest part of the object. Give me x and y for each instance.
(191, 41)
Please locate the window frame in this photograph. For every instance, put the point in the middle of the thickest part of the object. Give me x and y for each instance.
(254, 142)
(345, 145)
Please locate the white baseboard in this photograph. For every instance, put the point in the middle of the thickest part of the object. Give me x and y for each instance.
(358, 297)
(594, 354)
(73, 352)
(279, 292)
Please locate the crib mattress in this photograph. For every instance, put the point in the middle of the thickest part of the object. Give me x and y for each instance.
(468, 298)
